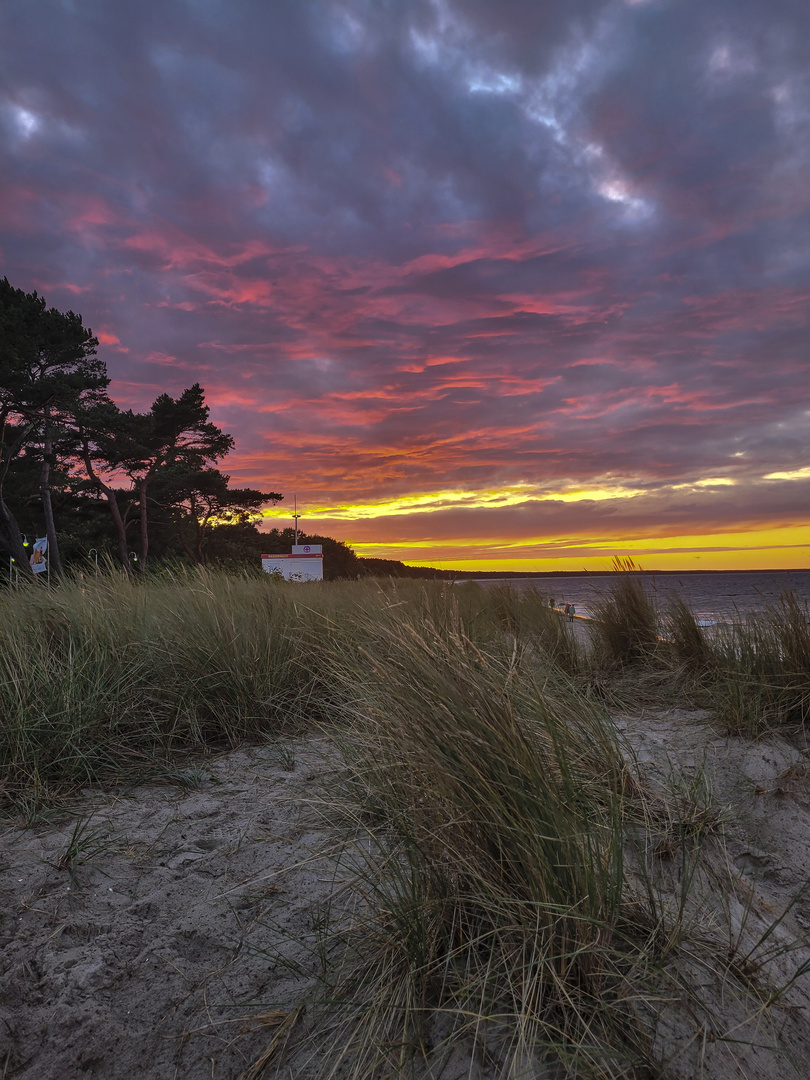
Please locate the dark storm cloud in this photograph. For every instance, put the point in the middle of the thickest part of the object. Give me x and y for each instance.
(431, 244)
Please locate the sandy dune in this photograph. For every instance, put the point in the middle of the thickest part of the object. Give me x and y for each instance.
(147, 933)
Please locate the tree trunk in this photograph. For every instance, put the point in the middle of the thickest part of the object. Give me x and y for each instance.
(12, 537)
(54, 562)
(112, 502)
(199, 543)
(144, 525)
(9, 529)
(201, 524)
(184, 544)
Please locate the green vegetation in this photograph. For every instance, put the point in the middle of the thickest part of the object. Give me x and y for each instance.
(626, 620)
(106, 678)
(753, 672)
(519, 886)
(65, 448)
(102, 482)
(496, 879)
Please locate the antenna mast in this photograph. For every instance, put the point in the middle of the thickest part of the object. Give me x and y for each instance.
(296, 516)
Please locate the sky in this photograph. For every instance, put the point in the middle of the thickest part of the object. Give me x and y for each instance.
(486, 284)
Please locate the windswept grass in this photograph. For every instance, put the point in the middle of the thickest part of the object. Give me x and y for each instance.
(528, 617)
(518, 891)
(626, 623)
(105, 678)
(760, 669)
(753, 672)
(689, 642)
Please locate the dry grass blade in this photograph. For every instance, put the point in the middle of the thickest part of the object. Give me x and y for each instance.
(257, 1070)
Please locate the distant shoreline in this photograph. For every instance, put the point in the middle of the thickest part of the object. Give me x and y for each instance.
(604, 573)
(374, 567)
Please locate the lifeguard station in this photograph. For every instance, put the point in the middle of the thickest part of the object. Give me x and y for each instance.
(304, 563)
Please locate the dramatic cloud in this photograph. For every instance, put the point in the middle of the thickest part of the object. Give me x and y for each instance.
(484, 281)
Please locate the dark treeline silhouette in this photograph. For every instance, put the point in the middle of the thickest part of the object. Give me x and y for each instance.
(102, 482)
(94, 478)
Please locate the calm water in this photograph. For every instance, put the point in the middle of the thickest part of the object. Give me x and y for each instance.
(711, 596)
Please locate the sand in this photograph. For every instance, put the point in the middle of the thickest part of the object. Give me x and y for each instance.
(178, 938)
(156, 957)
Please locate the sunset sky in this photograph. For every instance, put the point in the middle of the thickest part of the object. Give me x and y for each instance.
(496, 284)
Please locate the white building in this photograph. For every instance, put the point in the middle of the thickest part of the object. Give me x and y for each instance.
(305, 563)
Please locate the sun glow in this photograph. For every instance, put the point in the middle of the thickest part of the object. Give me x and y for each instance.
(436, 501)
(795, 474)
(531, 537)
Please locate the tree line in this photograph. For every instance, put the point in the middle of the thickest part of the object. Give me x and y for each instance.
(97, 479)
(68, 452)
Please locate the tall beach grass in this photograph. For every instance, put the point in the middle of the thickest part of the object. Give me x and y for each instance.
(495, 880)
(752, 671)
(519, 891)
(106, 677)
(510, 891)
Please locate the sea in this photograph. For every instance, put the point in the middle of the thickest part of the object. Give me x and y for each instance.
(720, 596)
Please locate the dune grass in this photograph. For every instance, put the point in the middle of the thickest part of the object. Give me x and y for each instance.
(753, 672)
(518, 890)
(626, 621)
(494, 887)
(107, 678)
(760, 669)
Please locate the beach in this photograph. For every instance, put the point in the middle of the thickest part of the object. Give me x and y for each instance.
(182, 936)
(233, 917)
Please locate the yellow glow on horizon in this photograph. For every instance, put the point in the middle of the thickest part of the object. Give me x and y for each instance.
(710, 482)
(785, 547)
(596, 494)
(427, 503)
(781, 547)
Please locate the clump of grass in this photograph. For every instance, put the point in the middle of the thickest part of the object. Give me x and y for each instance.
(84, 844)
(753, 672)
(688, 640)
(107, 678)
(626, 620)
(527, 615)
(492, 880)
(228, 652)
(760, 669)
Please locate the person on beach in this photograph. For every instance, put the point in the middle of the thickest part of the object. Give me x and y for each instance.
(571, 612)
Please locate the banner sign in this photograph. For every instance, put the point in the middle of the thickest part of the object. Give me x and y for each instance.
(38, 562)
